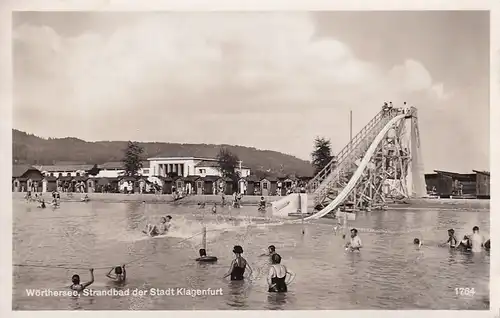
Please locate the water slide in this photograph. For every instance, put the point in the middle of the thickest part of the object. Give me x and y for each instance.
(358, 174)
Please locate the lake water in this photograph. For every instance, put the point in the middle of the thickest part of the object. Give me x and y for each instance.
(389, 272)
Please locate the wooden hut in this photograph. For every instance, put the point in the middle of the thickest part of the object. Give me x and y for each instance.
(125, 180)
(107, 185)
(252, 185)
(210, 184)
(192, 184)
(482, 184)
(166, 184)
(49, 184)
(268, 186)
(25, 177)
(91, 185)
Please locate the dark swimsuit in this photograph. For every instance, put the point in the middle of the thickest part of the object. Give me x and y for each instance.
(279, 284)
(238, 270)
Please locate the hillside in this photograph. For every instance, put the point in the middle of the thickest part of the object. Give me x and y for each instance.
(27, 148)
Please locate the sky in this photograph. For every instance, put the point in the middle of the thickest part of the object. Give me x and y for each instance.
(270, 80)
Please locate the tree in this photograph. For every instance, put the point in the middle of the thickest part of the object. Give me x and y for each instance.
(227, 164)
(132, 158)
(322, 153)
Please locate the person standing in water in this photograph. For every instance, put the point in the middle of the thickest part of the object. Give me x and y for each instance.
(79, 287)
(238, 265)
(262, 204)
(452, 240)
(355, 242)
(214, 208)
(277, 276)
(477, 240)
(120, 274)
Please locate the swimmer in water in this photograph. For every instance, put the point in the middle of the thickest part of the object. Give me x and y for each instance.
(464, 244)
(262, 204)
(120, 274)
(452, 240)
(204, 258)
(487, 245)
(42, 204)
(271, 251)
(214, 208)
(277, 276)
(238, 265)
(355, 242)
(160, 229)
(477, 240)
(76, 285)
(418, 242)
(202, 205)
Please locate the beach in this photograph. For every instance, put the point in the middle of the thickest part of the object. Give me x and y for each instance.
(252, 200)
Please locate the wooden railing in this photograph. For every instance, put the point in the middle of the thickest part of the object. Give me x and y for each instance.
(319, 184)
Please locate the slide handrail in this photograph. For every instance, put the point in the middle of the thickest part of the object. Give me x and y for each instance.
(359, 172)
(358, 148)
(315, 183)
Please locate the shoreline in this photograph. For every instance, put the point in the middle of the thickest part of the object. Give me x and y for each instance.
(253, 200)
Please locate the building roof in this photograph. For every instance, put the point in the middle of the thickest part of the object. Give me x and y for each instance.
(65, 168)
(252, 178)
(184, 155)
(211, 178)
(458, 176)
(269, 178)
(482, 172)
(208, 164)
(111, 165)
(191, 178)
(19, 170)
(119, 165)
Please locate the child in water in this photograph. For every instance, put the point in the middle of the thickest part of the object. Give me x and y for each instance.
(76, 285)
(262, 204)
(214, 208)
(120, 274)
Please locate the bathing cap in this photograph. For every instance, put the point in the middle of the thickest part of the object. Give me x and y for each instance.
(237, 249)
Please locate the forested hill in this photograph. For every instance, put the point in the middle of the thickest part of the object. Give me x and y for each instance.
(30, 149)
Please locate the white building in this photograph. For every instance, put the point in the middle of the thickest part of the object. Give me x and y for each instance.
(106, 170)
(116, 169)
(188, 166)
(64, 170)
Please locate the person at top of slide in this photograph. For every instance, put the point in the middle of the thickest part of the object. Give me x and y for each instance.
(477, 240)
(277, 276)
(355, 242)
(238, 265)
(120, 273)
(271, 251)
(452, 240)
(76, 285)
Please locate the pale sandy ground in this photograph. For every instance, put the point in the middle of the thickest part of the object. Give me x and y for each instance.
(253, 200)
(151, 198)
